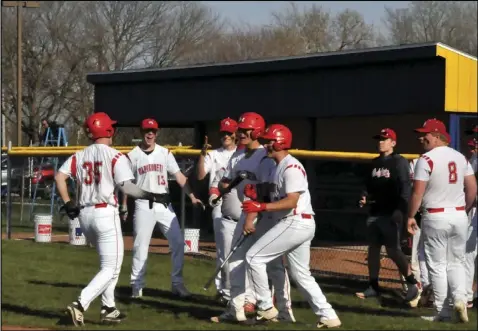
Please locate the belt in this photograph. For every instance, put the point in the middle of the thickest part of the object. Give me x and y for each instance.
(230, 218)
(441, 210)
(304, 216)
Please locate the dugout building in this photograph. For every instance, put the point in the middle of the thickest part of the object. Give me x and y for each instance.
(331, 101)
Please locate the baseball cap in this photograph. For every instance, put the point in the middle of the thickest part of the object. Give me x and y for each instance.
(434, 125)
(386, 134)
(149, 123)
(228, 125)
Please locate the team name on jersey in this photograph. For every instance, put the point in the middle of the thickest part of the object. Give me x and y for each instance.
(150, 167)
(381, 172)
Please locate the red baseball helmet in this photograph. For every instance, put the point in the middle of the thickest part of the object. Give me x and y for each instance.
(99, 125)
(280, 135)
(228, 125)
(252, 121)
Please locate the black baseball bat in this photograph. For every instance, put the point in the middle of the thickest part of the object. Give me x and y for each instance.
(236, 181)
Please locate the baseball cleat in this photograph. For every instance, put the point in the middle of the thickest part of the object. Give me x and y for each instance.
(368, 293)
(110, 315)
(136, 292)
(414, 303)
(180, 290)
(436, 318)
(413, 293)
(230, 316)
(75, 312)
(461, 312)
(270, 314)
(328, 323)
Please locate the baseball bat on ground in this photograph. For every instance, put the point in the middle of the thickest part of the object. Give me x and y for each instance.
(213, 276)
(236, 181)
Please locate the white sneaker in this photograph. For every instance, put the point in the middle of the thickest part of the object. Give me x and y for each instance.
(328, 323)
(461, 311)
(268, 314)
(230, 316)
(368, 293)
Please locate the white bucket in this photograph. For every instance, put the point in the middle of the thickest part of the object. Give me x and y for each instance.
(77, 237)
(191, 240)
(43, 225)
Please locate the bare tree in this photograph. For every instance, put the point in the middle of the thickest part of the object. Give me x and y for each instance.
(451, 22)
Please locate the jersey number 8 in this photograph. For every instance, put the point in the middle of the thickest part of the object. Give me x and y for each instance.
(161, 180)
(93, 172)
(452, 175)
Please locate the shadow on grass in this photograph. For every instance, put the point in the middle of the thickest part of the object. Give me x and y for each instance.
(123, 296)
(390, 298)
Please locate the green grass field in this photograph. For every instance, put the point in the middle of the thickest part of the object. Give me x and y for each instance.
(39, 280)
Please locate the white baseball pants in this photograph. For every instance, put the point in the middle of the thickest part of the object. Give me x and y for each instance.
(418, 263)
(145, 220)
(291, 236)
(223, 233)
(101, 226)
(471, 252)
(444, 238)
(241, 290)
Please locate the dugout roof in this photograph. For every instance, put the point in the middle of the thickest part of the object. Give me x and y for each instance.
(420, 78)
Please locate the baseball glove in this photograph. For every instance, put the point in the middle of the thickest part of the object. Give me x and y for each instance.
(71, 209)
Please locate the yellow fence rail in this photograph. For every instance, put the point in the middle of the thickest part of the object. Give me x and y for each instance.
(188, 151)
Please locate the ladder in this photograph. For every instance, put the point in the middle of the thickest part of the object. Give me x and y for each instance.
(50, 140)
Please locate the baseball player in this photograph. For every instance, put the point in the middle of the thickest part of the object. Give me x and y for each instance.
(151, 165)
(213, 163)
(388, 190)
(254, 161)
(98, 170)
(291, 233)
(471, 246)
(444, 188)
(418, 264)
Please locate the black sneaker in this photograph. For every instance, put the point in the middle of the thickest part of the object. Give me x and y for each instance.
(75, 312)
(110, 315)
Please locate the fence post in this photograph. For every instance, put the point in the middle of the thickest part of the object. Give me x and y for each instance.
(9, 193)
(183, 200)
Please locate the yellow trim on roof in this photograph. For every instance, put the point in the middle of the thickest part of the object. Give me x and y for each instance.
(460, 80)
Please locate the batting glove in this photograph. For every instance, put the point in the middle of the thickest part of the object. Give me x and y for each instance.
(123, 211)
(71, 210)
(251, 206)
(213, 197)
(250, 191)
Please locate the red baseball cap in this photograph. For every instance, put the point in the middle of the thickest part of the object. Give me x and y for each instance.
(434, 125)
(386, 134)
(228, 125)
(149, 123)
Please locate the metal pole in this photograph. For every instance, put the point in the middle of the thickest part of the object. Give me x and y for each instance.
(19, 75)
(9, 194)
(183, 200)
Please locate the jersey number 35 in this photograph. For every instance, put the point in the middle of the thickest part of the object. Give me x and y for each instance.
(93, 172)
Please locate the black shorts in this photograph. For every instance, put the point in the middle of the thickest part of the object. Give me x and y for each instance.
(383, 230)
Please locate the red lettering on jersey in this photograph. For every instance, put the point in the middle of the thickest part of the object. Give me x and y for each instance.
(73, 166)
(150, 167)
(429, 161)
(296, 166)
(113, 162)
(93, 172)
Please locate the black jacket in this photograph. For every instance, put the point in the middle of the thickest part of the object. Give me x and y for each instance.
(388, 185)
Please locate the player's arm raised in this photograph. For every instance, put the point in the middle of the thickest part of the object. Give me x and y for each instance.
(205, 161)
